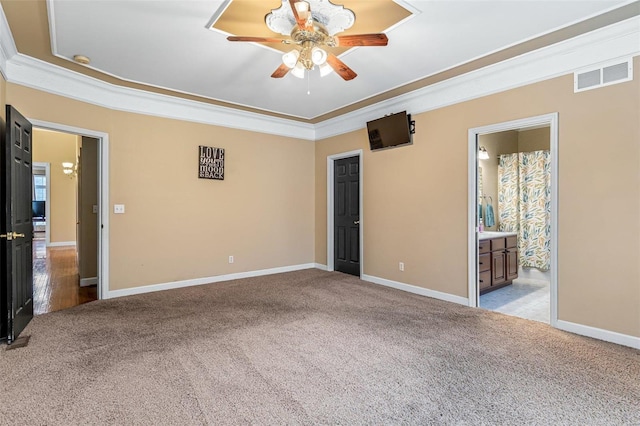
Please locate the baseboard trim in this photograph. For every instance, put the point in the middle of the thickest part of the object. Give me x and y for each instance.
(599, 333)
(417, 290)
(86, 282)
(62, 244)
(207, 280)
(321, 266)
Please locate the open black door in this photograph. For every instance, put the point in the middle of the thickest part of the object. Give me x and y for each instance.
(16, 229)
(347, 215)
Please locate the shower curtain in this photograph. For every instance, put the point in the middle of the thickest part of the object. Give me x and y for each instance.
(524, 204)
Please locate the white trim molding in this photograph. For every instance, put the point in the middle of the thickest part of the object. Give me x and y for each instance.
(47, 207)
(40, 75)
(321, 266)
(62, 244)
(417, 290)
(7, 44)
(207, 280)
(600, 334)
(550, 120)
(103, 195)
(620, 40)
(86, 282)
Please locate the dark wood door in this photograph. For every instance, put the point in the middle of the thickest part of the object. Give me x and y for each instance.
(347, 215)
(16, 224)
(498, 267)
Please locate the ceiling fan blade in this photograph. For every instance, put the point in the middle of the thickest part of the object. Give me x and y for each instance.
(281, 71)
(258, 39)
(301, 20)
(340, 67)
(361, 40)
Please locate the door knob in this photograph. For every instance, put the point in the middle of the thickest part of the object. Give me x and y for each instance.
(11, 236)
(356, 222)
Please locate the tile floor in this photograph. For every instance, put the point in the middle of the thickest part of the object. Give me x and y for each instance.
(525, 298)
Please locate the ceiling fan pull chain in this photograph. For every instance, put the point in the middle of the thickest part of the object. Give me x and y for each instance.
(308, 82)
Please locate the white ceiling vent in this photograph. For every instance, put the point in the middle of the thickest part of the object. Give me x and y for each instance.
(604, 75)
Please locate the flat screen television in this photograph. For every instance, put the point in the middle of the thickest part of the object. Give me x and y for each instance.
(390, 130)
(38, 209)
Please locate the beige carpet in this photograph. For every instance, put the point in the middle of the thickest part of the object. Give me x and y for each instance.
(309, 347)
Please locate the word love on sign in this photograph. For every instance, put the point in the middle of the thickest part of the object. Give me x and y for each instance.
(211, 163)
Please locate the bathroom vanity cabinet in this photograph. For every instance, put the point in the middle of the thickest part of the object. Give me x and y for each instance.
(497, 260)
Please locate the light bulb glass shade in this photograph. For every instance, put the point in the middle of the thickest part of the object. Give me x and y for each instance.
(325, 69)
(290, 58)
(67, 165)
(483, 154)
(67, 171)
(298, 70)
(318, 56)
(302, 6)
(303, 9)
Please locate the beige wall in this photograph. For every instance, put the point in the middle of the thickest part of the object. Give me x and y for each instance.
(179, 227)
(415, 197)
(56, 148)
(87, 198)
(496, 144)
(534, 140)
(507, 142)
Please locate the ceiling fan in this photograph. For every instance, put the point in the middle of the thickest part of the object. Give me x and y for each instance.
(309, 35)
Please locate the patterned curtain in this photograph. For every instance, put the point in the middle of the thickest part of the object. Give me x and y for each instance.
(535, 209)
(508, 193)
(524, 201)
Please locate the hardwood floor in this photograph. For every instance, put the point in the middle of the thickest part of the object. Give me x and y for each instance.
(56, 283)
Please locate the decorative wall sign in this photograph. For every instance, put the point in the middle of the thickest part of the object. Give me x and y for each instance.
(211, 163)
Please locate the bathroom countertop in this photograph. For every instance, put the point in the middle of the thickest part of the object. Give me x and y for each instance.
(494, 234)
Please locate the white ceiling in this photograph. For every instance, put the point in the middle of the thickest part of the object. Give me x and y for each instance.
(165, 44)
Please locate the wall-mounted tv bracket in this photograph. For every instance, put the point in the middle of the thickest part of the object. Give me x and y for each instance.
(412, 125)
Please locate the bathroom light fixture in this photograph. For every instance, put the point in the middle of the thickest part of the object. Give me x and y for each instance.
(483, 154)
(69, 169)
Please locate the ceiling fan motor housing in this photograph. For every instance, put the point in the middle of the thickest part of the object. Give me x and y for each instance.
(308, 38)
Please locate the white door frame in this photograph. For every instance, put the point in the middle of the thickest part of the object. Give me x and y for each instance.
(550, 120)
(47, 205)
(103, 195)
(330, 193)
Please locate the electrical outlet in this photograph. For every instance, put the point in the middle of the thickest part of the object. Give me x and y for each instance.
(230, 259)
(118, 208)
(401, 266)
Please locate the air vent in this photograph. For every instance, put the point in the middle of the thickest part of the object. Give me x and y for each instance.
(604, 75)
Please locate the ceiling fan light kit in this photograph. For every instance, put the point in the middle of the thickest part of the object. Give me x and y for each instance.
(310, 29)
(298, 70)
(290, 58)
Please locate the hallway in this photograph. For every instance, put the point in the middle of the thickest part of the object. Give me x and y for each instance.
(56, 284)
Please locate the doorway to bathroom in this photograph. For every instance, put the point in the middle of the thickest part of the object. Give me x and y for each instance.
(513, 218)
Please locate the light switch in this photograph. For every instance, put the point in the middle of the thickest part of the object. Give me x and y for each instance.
(118, 208)
(95, 208)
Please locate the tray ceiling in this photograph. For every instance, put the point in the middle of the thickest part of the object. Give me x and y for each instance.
(167, 46)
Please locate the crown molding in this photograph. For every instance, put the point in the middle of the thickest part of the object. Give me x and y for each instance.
(7, 44)
(40, 75)
(605, 44)
(615, 41)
